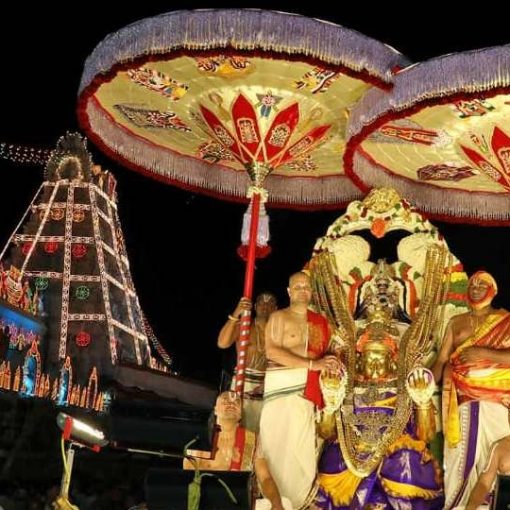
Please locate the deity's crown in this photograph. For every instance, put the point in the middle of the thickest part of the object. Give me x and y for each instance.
(382, 271)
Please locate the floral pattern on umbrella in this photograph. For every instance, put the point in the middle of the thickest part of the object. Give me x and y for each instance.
(441, 137)
(277, 88)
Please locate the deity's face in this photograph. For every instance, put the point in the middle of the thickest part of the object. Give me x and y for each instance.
(383, 291)
(382, 286)
(375, 364)
(228, 406)
(300, 289)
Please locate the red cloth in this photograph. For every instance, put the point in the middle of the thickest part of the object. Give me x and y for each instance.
(318, 343)
(244, 450)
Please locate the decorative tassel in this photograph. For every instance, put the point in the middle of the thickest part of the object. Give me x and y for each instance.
(244, 30)
(262, 230)
(434, 79)
(298, 192)
(263, 249)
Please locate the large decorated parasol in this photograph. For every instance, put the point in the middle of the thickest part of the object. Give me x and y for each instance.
(241, 104)
(441, 137)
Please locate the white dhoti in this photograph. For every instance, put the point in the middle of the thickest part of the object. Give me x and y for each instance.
(481, 424)
(287, 434)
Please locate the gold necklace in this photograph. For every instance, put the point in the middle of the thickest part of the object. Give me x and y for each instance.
(475, 320)
(473, 323)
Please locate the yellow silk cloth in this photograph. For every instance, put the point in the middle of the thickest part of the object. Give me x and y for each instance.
(340, 486)
(484, 380)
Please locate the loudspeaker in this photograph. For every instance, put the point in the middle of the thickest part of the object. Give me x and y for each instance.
(502, 493)
(167, 489)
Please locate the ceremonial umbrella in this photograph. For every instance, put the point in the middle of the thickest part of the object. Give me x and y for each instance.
(441, 137)
(217, 100)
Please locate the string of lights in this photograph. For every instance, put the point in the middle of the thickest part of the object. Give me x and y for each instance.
(24, 154)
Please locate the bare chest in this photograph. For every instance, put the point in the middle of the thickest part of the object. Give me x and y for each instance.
(295, 334)
(504, 460)
(461, 331)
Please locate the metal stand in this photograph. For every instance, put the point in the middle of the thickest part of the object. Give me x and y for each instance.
(66, 475)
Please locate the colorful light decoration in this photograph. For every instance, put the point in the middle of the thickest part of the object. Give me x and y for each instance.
(82, 292)
(57, 214)
(78, 215)
(50, 247)
(25, 248)
(82, 339)
(24, 154)
(41, 283)
(79, 250)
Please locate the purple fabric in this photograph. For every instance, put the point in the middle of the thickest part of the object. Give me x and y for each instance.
(367, 493)
(382, 410)
(474, 408)
(404, 466)
(473, 434)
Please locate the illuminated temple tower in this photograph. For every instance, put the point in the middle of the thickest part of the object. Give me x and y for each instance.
(69, 314)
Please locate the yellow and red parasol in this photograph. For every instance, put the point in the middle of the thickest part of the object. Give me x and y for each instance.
(240, 104)
(441, 137)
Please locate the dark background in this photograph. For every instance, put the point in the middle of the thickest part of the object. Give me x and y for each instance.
(182, 246)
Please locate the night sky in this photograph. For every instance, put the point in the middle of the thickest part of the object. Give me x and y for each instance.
(182, 246)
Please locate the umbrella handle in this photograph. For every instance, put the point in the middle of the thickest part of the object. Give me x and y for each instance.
(244, 334)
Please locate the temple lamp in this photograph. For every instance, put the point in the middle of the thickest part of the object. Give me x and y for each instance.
(77, 433)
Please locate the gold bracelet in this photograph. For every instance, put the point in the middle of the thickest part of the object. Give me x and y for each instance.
(231, 318)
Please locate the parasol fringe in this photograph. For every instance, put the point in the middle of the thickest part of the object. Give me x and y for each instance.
(243, 29)
(477, 71)
(473, 207)
(193, 173)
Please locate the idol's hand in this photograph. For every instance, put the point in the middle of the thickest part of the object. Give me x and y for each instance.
(420, 385)
(333, 387)
(419, 378)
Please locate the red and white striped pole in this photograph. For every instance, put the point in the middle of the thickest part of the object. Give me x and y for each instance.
(245, 326)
